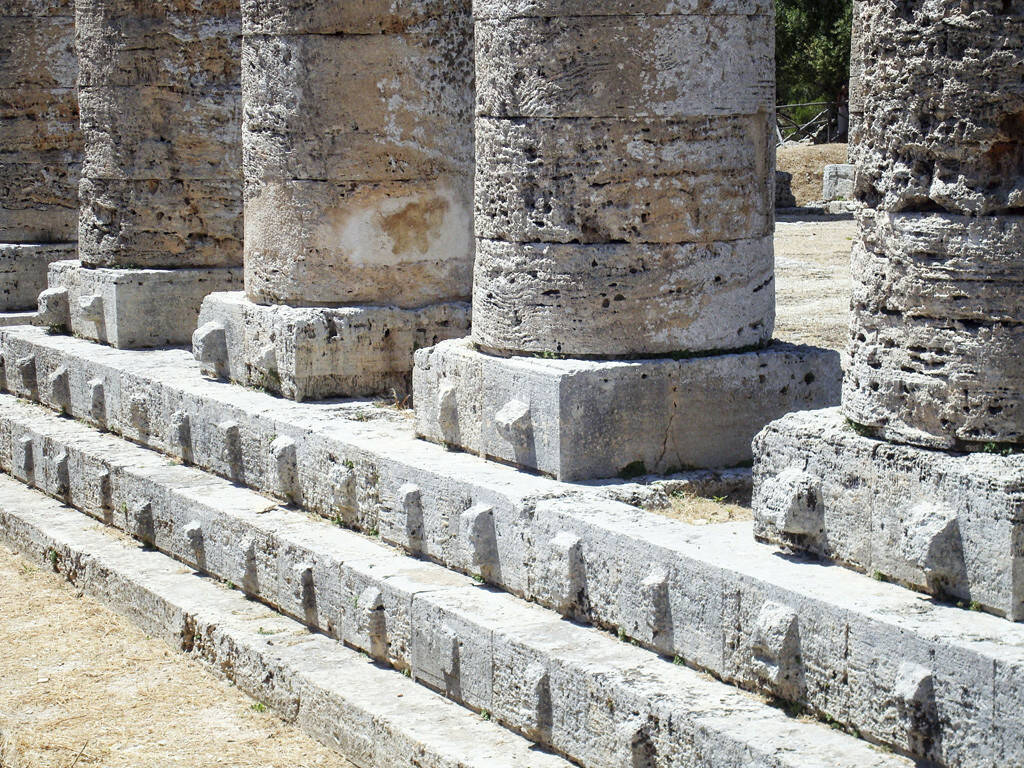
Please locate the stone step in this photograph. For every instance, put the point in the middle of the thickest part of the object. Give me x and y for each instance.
(701, 593)
(375, 717)
(577, 690)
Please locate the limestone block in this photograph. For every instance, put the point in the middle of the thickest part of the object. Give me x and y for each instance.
(133, 308)
(39, 199)
(159, 223)
(943, 124)
(38, 51)
(945, 523)
(784, 197)
(38, 120)
(653, 181)
(578, 420)
(312, 354)
(507, 9)
(838, 182)
(937, 329)
(310, 243)
(151, 132)
(23, 272)
(647, 66)
(125, 43)
(370, 17)
(37, 8)
(359, 107)
(622, 300)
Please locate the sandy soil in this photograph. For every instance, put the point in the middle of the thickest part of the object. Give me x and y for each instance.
(81, 686)
(813, 286)
(807, 164)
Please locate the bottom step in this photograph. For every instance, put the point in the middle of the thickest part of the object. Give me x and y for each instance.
(371, 715)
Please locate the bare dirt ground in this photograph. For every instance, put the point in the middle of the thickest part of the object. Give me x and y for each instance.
(807, 164)
(812, 263)
(81, 686)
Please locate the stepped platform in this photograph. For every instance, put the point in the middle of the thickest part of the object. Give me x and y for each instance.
(919, 677)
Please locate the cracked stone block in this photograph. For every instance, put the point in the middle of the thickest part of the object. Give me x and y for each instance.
(838, 182)
(23, 269)
(943, 124)
(309, 353)
(591, 419)
(950, 524)
(138, 308)
(937, 328)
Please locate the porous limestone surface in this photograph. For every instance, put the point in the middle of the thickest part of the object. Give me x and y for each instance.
(39, 140)
(578, 420)
(160, 102)
(937, 329)
(654, 181)
(533, 672)
(568, 547)
(131, 308)
(358, 153)
(23, 268)
(623, 300)
(943, 124)
(372, 716)
(509, 9)
(648, 65)
(946, 523)
(316, 353)
(19, 318)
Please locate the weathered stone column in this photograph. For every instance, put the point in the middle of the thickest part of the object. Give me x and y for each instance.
(40, 147)
(623, 211)
(161, 189)
(924, 482)
(358, 141)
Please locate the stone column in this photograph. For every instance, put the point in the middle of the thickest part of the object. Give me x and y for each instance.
(161, 190)
(40, 148)
(358, 141)
(857, 83)
(924, 480)
(624, 211)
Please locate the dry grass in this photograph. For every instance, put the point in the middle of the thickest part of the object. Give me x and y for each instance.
(78, 682)
(697, 510)
(807, 164)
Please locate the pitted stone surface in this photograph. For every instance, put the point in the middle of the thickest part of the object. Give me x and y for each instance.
(568, 418)
(23, 269)
(358, 153)
(136, 308)
(938, 329)
(648, 66)
(653, 181)
(943, 118)
(949, 524)
(662, 145)
(623, 300)
(569, 548)
(160, 111)
(39, 140)
(306, 353)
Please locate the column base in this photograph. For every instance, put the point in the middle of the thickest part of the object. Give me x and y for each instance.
(950, 524)
(580, 419)
(315, 353)
(23, 269)
(131, 308)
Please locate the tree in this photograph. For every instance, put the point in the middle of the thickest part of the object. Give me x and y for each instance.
(812, 42)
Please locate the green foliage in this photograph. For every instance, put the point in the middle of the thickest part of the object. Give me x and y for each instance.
(812, 44)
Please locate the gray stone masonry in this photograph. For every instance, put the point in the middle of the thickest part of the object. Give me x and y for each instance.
(623, 212)
(358, 157)
(934, 370)
(130, 308)
(533, 672)
(569, 547)
(580, 419)
(946, 523)
(374, 717)
(23, 269)
(838, 182)
(313, 353)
